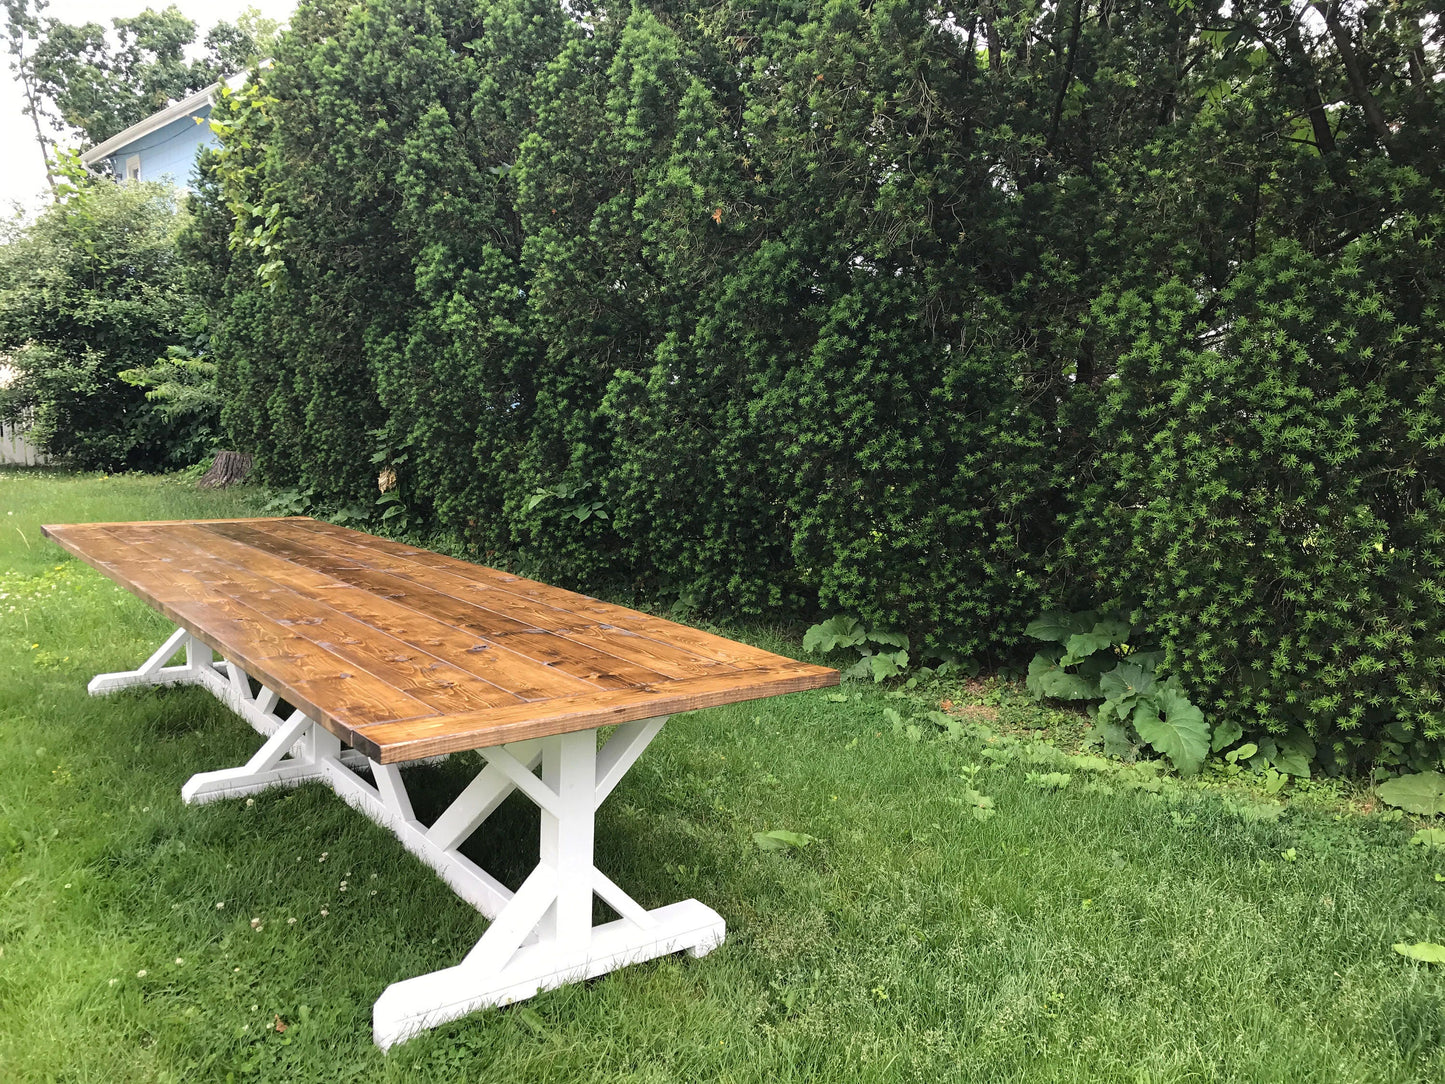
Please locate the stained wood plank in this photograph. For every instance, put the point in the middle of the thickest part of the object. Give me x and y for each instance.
(326, 688)
(411, 739)
(653, 648)
(541, 643)
(703, 644)
(406, 653)
(433, 682)
(393, 619)
(256, 626)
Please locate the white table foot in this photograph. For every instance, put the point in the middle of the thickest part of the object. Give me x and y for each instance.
(413, 1005)
(154, 670)
(268, 768)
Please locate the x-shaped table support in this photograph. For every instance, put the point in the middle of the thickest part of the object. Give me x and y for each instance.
(541, 936)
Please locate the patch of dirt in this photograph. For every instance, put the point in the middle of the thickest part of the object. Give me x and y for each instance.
(979, 712)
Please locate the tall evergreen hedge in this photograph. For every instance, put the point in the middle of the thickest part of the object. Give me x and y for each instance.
(930, 313)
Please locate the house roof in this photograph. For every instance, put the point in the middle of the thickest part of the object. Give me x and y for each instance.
(201, 99)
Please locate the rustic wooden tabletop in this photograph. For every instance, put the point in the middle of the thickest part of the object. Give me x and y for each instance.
(404, 653)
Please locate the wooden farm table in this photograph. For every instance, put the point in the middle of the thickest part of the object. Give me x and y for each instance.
(351, 653)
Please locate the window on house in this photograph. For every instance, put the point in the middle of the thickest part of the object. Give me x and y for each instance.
(132, 168)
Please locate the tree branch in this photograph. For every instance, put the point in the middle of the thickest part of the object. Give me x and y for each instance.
(1355, 73)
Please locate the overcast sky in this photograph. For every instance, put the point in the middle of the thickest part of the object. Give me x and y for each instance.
(22, 178)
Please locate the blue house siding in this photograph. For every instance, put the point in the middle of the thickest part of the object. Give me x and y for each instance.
(163, 147)
(168, 153)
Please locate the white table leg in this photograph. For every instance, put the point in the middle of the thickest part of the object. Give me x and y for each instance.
(224, 680)
(543, 937)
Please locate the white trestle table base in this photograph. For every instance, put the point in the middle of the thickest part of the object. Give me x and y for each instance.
(541, 936)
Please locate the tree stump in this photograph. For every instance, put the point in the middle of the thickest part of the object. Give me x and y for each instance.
(228, 469)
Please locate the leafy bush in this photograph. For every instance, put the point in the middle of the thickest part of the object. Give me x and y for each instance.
(1094, 660)
(1275, 506)
(89, 292)
(917, 314)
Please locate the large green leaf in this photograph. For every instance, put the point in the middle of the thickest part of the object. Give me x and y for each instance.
(1295, 752)
(1059, 625)
(1115, 628)
(1040, 665)
(833, 633)
(889, 639)
(888, 664)
(1083, 644)
(1117, 740)
(1424, 951)
(1096, 665)
(1174, 727)
(1126, 679)
(1226, 734)
(1422, 793)
(1063, 686)
(1047, 678)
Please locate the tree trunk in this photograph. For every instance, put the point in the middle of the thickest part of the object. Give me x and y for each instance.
(1356, 75)
(228, 469)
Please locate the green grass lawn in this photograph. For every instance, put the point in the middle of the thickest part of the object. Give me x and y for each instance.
(1101, 924)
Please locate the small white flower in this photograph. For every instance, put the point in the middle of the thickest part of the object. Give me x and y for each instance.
(250, 802)
(179, 960)
(255, 922)
(324, 912)
(67, 884)
(237, 969)
(141, 973)
(112, 982)
(290, 922)
(220, 905)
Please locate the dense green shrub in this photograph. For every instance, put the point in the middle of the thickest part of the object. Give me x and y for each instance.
(89, 291)
(928, 314)
(1280, 501)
